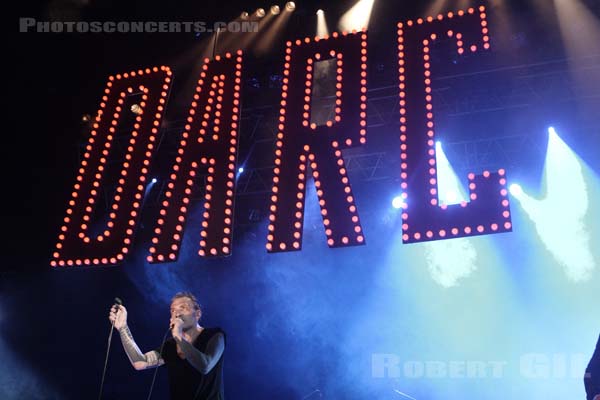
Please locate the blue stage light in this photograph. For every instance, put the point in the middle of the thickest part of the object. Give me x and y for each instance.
(515, 189)
(398, 202)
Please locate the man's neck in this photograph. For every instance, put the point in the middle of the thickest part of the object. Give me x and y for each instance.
(192, 333)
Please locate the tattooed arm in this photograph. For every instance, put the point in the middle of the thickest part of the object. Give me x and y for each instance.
(151, 359)
(139, 361)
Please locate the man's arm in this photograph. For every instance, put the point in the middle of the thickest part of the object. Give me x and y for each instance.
(139, 361)
(203, 362)
(118, 317)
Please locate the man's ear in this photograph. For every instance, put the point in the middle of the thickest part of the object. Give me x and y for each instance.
(198, 314)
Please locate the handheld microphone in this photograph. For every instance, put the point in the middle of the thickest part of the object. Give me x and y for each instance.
(173, 325)
(118, 302)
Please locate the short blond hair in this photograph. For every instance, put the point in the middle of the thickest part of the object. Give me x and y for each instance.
(189, 296)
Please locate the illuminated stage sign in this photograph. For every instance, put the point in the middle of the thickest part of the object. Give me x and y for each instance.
(210, 139)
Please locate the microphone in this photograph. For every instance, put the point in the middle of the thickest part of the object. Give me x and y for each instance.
(173, 325)
(118, 302)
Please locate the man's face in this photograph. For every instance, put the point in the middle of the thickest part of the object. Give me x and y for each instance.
(184, 308)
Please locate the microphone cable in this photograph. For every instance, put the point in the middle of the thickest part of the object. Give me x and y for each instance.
(118, 302)
(158, 361)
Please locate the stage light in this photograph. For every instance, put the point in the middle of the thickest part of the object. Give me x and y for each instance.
(449, 189)
(515, 189)
(154, 180)
(357, 17)
(580, 29)
(260, 12)
(240, 170)
(274, 27)
(290, 6)
(86, 118)
(136, 109)
(436, 7)
(451, 197)
(398, 202)
(322, 29)
(244, 15)
(560, 215)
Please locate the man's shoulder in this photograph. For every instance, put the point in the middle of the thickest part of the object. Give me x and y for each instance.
(213, 332)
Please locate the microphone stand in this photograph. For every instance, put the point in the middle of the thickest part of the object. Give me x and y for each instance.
(112, 327)
(118, 302)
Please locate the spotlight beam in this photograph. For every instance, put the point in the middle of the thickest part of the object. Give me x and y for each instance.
(560, 216)
(357, 17)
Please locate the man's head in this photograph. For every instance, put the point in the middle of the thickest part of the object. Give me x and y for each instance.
(185, 305)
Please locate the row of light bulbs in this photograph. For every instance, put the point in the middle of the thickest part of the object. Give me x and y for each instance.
(260, 12)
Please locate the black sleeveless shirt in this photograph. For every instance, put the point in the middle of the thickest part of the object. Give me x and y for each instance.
(185, 381)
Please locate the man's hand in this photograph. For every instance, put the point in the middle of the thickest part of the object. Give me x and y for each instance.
(118, 316)
(177, 327)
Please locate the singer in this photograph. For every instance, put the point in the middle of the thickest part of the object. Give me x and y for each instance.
(193, 356)
(592, 375)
